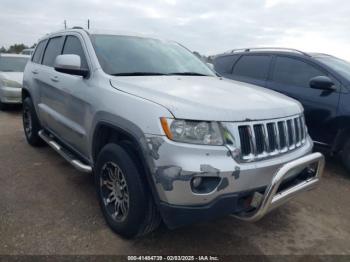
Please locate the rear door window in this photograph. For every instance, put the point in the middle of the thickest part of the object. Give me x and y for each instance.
(73, 46)
(224, 64)
(53, 49)
(39, 52)
(291, 71)
(253, 66)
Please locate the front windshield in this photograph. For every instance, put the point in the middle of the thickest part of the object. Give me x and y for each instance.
(12, 64)
(339, 65)
(129, 55)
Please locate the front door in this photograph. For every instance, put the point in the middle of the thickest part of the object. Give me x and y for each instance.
(62, 106)
(291, 76)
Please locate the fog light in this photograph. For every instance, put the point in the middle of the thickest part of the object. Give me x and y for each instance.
(196, 181)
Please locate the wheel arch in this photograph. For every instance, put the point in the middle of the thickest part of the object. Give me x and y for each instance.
(341, 138)
(132, 139)
(25, 93)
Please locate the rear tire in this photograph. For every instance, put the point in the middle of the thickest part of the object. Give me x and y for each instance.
(124, 197)
(345, 155)
(31, 124)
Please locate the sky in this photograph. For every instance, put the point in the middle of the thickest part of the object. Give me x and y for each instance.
(207, 26)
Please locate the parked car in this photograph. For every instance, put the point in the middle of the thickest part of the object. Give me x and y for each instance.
(27, 51)
(11, 77)
(164, 137)
(320, 82)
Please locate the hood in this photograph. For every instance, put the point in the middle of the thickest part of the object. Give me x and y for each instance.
(209, 98)
(14, 76)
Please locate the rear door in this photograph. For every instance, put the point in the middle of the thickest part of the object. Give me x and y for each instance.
(52, 102)
(291, 76)
(252, 68)
(31, 76)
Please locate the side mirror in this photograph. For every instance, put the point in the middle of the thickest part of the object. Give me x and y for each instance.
(322, 83)
(70, 64)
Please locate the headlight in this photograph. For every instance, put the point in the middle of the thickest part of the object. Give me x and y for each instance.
(194, 132)
(10, 83)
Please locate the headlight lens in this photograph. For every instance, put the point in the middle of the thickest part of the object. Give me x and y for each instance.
(10, 83)
(194, 132)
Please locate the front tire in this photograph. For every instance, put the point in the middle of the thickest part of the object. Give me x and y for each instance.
(124, 197)
(2, 106)
(31, 124)
(345, 156)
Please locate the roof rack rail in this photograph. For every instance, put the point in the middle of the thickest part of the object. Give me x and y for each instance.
(267, 49)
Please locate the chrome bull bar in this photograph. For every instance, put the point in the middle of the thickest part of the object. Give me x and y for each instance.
(271, 199)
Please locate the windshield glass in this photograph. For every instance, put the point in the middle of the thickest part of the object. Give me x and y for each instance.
(339, 65)
(12, 64)
(129, 55)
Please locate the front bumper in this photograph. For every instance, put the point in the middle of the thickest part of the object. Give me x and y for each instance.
(176, 164)
(259, 183)
(275, 194)
(11, 95)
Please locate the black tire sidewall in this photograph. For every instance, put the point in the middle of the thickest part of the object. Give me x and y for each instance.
(34, 139)
(138, 198)
(2, 106)
(345, 155)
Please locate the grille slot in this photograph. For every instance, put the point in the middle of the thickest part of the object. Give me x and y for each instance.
(244, 138)
(259, 138)
(297, 129)
(269, 138)
(271, 134)
(281, 130)
(290, 132)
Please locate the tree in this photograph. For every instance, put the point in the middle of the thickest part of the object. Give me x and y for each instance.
(16, 48)
(3, 50)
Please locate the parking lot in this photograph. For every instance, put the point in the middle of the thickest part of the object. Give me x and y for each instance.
(47, 207)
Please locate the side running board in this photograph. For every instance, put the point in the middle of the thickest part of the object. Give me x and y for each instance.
(66, 154)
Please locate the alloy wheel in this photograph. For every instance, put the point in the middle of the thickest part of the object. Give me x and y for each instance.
(114, 190)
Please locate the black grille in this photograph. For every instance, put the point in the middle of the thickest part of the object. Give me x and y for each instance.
(288, 133)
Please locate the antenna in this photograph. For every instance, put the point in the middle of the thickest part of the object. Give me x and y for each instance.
(88, 24)
(65, 24)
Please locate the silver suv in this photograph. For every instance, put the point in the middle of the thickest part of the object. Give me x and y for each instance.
(164, 136)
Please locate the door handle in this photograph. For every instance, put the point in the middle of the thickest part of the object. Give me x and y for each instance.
(54, 79)
(35, 72)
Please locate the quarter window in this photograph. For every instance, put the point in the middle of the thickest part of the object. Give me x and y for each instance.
(253, 66)
(224, 64)
(294, 72)
(53, 49)
(73, 46)
(39, 51)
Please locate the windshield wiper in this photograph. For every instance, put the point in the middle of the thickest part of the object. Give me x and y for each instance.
(138, 74)
(187, 74)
